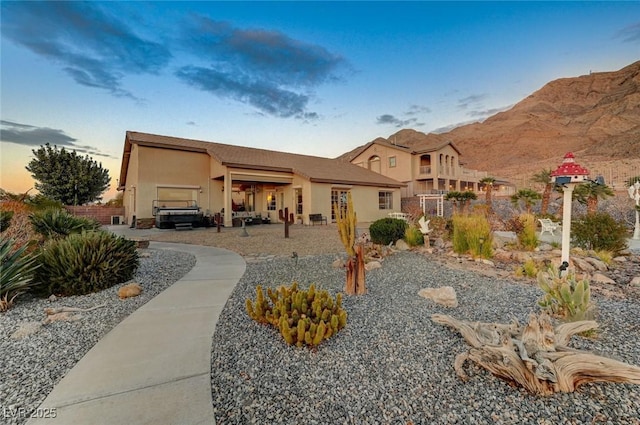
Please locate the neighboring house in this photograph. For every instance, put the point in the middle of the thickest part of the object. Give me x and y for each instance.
(244, 180)
(427, 164)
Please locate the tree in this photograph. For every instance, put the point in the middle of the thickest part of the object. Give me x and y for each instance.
(526, 197)
(544, 178)
(589, 193)
(67, 177)
(488, 184)
(462, 199)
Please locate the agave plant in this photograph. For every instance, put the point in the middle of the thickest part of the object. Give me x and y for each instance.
(15, 273)
(56, 223)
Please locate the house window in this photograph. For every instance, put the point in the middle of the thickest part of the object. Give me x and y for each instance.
(271, 201)
(298, 195)
(374, 163)
(338, 197)
(392, 161)
(385, 200)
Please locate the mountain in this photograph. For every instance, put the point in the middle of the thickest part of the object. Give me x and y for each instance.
(595, 116)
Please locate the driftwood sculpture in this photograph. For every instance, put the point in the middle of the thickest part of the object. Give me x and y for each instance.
(64, 313)
(536, 356)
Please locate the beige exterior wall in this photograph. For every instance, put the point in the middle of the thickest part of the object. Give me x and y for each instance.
(402, 172)
(166, 167)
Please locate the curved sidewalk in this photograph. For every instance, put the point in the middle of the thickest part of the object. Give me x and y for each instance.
(155, 366)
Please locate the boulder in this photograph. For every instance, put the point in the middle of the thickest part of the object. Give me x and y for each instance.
(25, 329)
(620, 259)
(372, 265)
(444, 295)
(583, 265)
(402, 245)
(130, 290)
(600, 278)
(598, 264)
(544, 247)
(635, 281)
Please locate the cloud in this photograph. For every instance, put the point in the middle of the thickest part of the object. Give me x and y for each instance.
(418, 109)
(396, 122)
(465, 102)
(487, 112)
(30, 135)
(266, 69)
(630, 33)
(96, 49)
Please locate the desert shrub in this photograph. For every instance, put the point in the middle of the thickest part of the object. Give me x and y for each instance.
(413, 236)
(17, 269)
(439, 226)
(58, 223)
(599, 231)
(604, 256)
(387, 230)
(565, 297)
(528, 269)
(19, 228)
(302, 317)
(472, 235)
(84, 262)
(5, 219)
(527, 236)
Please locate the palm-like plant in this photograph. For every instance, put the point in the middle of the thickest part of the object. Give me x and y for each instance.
(462, 199)
(56, 223)
(488, 184)
(544, 177)
(525, 197)
(16, 272)
(589, 193)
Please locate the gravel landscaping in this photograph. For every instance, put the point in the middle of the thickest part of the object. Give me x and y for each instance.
(392, 364)
(33, 364)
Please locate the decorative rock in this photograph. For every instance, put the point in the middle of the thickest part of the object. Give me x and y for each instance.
(52, 298)
(635, 281)
(583, 265)
(598, 264)
(620, 259)
(130, 290)
(502, 255)
(402, 245)
(487, 262)
(438, 243)
(600, 278)
(372, 265)
(26, 329)
(444, 295)
(545, 247)
(144, 254)
(338, 263)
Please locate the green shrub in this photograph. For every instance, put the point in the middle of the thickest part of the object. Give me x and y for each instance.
(565, 297)
(413, 236)
(85, 262)
(58, 223)
(527, 236)
(5, 220)
(302, 317)
(599, 231)
(387, 230)
(17, 269)
(472, 235)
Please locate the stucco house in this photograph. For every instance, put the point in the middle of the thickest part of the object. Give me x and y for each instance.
(223, 178)
(425, 163)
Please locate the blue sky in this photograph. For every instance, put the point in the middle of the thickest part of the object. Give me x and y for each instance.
(317, 78)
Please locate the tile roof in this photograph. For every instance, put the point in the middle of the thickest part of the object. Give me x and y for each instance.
(314, 168)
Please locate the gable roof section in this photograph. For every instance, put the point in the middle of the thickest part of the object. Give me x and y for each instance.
(419, 144)
(316, 169)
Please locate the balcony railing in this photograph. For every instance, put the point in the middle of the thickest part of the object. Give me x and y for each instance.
(425, 169)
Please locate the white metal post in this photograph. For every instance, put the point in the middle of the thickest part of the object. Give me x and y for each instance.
(566, 221)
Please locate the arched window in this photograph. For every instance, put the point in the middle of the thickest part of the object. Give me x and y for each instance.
(374, 163)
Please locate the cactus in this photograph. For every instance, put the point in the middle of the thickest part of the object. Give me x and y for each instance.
(565, 296)
(302, 317)
(346, 219)
(287, 219)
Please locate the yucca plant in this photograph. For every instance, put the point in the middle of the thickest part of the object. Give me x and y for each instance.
(16, 269)
(85, 262)
(56, 223)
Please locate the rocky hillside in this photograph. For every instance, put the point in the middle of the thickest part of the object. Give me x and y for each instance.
(596, 116)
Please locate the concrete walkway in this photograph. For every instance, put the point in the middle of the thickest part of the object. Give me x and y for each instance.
(154, 367)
